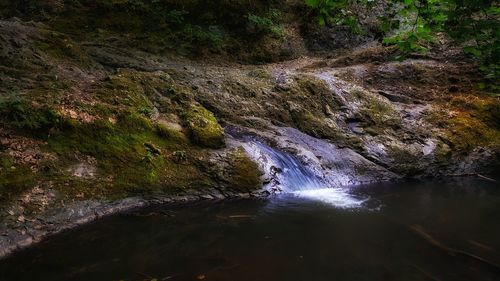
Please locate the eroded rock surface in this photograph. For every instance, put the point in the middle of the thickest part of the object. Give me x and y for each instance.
(333, 166)
(91, 127)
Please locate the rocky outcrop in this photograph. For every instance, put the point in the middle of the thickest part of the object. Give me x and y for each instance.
(92, 127)
(332, 165)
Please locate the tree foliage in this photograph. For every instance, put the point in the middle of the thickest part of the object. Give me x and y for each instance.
(412, 25)
(336, 12)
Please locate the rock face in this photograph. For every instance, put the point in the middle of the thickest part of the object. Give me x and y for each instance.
(88, 120)
(387, 122)
(320, 164)
(204, 128)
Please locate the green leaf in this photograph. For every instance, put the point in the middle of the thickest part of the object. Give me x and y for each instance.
(493, 11)
(312, 3)
(321, 20)
(472, 51)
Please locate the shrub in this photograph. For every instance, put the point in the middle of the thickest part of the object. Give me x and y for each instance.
(266, 24)
(473, 23)
(335, 12)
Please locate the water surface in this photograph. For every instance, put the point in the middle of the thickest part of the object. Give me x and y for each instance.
(405, 231)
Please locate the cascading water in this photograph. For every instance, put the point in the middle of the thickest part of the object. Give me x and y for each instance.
(290, 176)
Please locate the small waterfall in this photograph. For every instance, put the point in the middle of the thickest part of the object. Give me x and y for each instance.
(290, 176)
(288, 172)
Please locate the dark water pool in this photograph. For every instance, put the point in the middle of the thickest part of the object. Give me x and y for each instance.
(411, 231)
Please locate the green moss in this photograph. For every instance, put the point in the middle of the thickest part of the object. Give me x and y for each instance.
(170, 134)
(404, 162)
(311, 86)
(21, 114)
(470, 121)
(204, 129)
(14, 178)
(244, 173)
(133, 122)
(490, 113)
(117, 147)
(468, 132)
(119, 137)
(306, 122)
(485, 108)
(133, 90)
(100, 110)
(133, 156)
(121, 90)
(378, 115)
(62, 48)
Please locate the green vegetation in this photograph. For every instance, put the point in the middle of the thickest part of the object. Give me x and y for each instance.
(335, 12)
(130, 89)
(63, 48)
(14, 178)
(180, 156)
(268, 23)
(116, 147)
(79, 85)
(133, 153)
(132, 156)
(477, 122)
(474, 23)
(170, 134)
(414, 26)
(192, 28)
(203, 127)
(244, 173)
(23, 115)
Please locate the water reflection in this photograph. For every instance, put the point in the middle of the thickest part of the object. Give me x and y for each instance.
(423, 231)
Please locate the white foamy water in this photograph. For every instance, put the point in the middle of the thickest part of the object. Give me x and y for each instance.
(333, 196)
(291, 174)
(292, 177)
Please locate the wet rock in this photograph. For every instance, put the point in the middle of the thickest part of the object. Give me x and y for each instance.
(336, 167)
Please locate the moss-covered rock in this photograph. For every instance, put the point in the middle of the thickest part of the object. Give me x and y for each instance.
(133, 89)
(96, 81)
(203, 127)
(62, 48)
(244, 173)
(133, 155)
